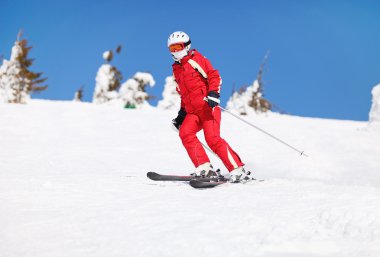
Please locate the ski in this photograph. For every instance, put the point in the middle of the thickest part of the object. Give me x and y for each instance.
(160, 177)
(195, 183)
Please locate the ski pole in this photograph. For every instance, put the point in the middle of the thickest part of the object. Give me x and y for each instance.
(263, 131)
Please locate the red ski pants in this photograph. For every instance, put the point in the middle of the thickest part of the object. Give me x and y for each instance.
(208, 120)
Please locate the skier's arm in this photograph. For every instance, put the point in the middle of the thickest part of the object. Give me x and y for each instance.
(213, 77)
(214, 81)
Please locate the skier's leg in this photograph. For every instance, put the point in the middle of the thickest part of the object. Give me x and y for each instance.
(211, 126)
(188, 130)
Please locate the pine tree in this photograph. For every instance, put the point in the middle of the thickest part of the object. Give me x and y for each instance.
(258, 102)
(78, 95)
(108, 80)
(17, 81)
(251, 96)
(34, 78)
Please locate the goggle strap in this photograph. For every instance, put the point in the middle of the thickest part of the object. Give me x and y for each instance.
(187, 43)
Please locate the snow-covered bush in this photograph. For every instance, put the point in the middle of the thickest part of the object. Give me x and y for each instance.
(107, 81)
(132, 92)
(171, 100)
(16, 80)
(374, 114)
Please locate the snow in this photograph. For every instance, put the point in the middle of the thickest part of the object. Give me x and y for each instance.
(16, 51)
(145, 77)
(69, 189)
(107, 55)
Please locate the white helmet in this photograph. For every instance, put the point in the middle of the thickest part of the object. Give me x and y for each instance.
(179, 44)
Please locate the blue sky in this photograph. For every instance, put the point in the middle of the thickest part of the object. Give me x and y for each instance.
(324, 55)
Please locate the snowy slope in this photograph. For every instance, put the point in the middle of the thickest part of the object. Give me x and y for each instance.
(73, 184)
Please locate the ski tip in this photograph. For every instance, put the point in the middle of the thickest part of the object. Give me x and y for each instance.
(151, 175)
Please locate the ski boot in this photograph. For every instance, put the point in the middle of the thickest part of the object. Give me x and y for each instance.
(240, 175)
(206, 171)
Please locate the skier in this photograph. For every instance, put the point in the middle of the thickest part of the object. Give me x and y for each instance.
(199, 87)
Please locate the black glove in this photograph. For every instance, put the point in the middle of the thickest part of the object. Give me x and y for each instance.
(213, 99)
(177, 122)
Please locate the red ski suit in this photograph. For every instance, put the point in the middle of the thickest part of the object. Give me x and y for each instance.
(196, 77)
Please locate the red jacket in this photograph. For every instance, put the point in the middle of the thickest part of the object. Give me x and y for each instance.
(195, 77)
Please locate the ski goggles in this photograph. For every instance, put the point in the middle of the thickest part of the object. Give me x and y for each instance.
(178, 46)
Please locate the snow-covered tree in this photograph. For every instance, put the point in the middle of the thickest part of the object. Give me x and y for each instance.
(240, 99)
(17, 82)
(251, 97)
(374, 114)
(133, 92)
(108, 80)
(108, 89)
(78, 95)
(171, 100)
(10, 80)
